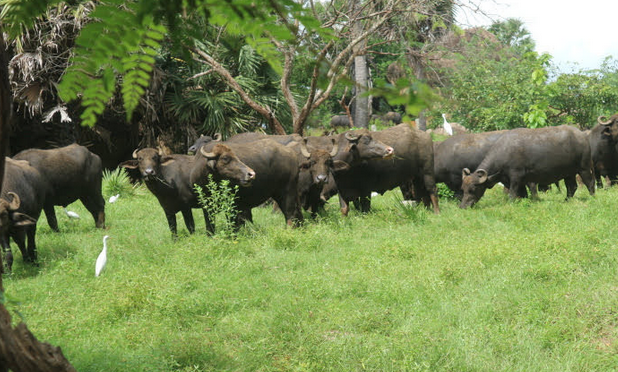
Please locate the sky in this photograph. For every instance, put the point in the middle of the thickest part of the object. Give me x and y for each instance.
(577, 34)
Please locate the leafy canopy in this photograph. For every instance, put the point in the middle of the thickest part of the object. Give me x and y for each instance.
(119, 47)
(582, 96)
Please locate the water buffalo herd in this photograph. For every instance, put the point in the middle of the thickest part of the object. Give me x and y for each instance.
(302, 173)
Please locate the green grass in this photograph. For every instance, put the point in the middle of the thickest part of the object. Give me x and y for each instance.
(504, 286)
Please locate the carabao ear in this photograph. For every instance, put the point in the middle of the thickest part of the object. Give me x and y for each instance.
(130, 164)
(606, 132)
(465, 172)
(339, 165)
(20, 219)
(482, 175)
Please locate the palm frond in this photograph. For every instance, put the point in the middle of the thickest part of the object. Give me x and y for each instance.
(249, 61)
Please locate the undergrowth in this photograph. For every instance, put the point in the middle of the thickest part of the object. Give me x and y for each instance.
(218, 200)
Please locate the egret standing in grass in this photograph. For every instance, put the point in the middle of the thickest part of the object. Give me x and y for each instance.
(447, 127)
(102, 259)
(113, 198)
(71, 214)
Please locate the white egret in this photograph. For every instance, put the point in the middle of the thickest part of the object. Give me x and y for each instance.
(447, 127)
(102, 259)
(71, 214)
(113, 198)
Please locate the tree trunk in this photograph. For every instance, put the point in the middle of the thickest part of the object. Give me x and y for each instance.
(415, 62)
(361, 107)
(340, 62)
(6, 108)
(422, 121)
(361, 101)
(20, 351)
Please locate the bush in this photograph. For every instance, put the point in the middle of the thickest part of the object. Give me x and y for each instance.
(444, 191)
(117, 182)
(218, 202)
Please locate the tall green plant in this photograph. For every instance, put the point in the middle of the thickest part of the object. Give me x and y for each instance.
(117, 182)
(219, 201)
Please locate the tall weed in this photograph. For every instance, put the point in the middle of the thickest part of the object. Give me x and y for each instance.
(409, 210)
(219, 202)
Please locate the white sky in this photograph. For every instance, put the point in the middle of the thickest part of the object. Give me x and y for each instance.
(577, 34)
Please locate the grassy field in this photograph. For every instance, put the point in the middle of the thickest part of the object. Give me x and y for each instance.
(505, 286)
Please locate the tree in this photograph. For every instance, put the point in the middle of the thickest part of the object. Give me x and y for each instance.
(335, 52)
(487, 84)
(430, 24)
(582, 96)
(512, 33)
(197, 97)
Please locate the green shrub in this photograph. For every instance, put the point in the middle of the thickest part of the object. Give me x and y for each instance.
(445, 192)
(117, 182)
(218, 202)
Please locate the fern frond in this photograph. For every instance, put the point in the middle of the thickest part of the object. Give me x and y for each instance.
(18, 15)
(117, 45)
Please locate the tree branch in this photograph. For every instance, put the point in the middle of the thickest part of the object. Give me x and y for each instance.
(345, 57)
(288, 64)
(202, 74)
(266, 112)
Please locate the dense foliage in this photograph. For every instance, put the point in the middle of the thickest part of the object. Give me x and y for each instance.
(493, 81)
(581, 96)
(483, 78)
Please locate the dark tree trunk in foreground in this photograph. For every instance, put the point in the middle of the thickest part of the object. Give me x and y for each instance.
(20, 351)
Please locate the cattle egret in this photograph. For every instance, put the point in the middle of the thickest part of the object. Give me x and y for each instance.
(102, 259)
(113, 198)
(374, 194)
(71, 214)
(447, 126)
